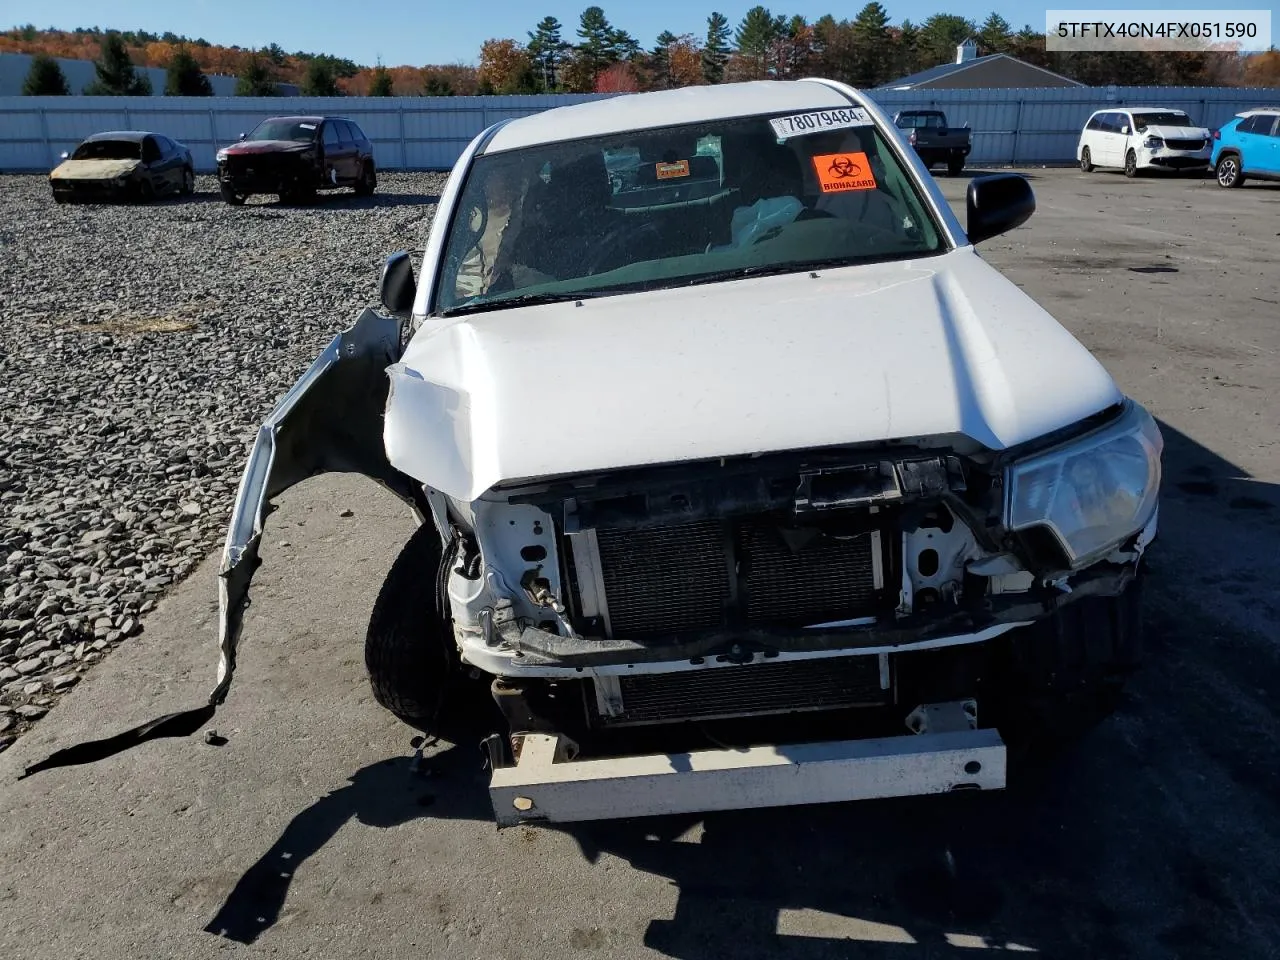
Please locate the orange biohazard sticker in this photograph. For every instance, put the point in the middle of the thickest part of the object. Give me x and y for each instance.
(844, 171)
(669, 171)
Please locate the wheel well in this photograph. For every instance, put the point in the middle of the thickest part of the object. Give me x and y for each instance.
(1229, 152)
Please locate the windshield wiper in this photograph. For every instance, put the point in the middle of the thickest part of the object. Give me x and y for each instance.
(522, 300)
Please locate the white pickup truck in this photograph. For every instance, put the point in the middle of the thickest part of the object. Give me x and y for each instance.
(742, 479)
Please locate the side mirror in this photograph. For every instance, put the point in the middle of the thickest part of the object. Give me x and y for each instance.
(1125, 129)
(996, 204)
(398, 285)
(243, 135)
(64, 155)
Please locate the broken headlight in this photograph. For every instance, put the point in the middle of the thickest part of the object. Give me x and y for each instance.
(1093, 492)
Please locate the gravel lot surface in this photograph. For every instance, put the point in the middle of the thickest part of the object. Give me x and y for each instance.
(307, 834)
(142, 347)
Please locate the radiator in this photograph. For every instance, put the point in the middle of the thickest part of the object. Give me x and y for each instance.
(754, 690)
(745, 572)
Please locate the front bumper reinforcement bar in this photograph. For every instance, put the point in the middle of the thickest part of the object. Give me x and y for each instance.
(544, 786)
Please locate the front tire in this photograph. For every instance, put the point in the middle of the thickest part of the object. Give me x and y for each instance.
(955, 165)
(368, 181)
(188, 181)
(408, 650)
(1086, 161)
(1228, 171)
(1130, 164)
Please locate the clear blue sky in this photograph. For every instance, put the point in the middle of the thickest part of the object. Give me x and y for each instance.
(436, 31)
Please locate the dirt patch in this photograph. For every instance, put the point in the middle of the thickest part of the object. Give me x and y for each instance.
(180, 319)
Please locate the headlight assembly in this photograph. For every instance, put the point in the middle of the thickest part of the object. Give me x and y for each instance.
(1153, 143)
(1093, 492)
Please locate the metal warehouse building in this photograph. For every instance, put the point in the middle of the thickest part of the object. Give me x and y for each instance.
(972, 72)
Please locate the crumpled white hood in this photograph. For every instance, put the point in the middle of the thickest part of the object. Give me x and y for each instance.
(941, 346)
(1176, 133)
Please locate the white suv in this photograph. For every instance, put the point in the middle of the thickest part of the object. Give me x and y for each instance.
(1143, 138)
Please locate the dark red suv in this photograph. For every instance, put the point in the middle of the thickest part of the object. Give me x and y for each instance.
(296, 156)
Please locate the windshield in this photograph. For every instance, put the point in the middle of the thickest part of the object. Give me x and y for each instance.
(300, 131)
(680, 205)
(109, 150)
(1166, 118)
(921, 121)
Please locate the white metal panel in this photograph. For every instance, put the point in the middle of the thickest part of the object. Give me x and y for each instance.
(1029, 126)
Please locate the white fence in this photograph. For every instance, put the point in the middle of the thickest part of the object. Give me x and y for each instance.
(408, 133)
(1012, 126)
(1034, 126)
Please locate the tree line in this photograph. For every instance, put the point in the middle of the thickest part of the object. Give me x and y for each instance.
(865, 51)
(188, 64)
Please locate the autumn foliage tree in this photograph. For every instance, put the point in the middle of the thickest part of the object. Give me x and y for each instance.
(1263, 70)
(505, 67)
(617, 78)
(684, 61)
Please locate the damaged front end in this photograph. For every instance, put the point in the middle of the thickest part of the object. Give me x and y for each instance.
(786, 589)
(816, 554)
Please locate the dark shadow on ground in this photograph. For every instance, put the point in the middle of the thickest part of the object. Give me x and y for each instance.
(384, 794)
(1153, 837)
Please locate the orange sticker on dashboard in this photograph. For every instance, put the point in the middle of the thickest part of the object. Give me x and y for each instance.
(844, 171)
(669, 171)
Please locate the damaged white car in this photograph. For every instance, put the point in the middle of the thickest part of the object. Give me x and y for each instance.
(743, 480)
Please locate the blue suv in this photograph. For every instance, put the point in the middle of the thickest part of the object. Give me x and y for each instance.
(1248, 146)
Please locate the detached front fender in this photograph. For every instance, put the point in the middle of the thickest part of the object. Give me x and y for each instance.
(330, 421)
